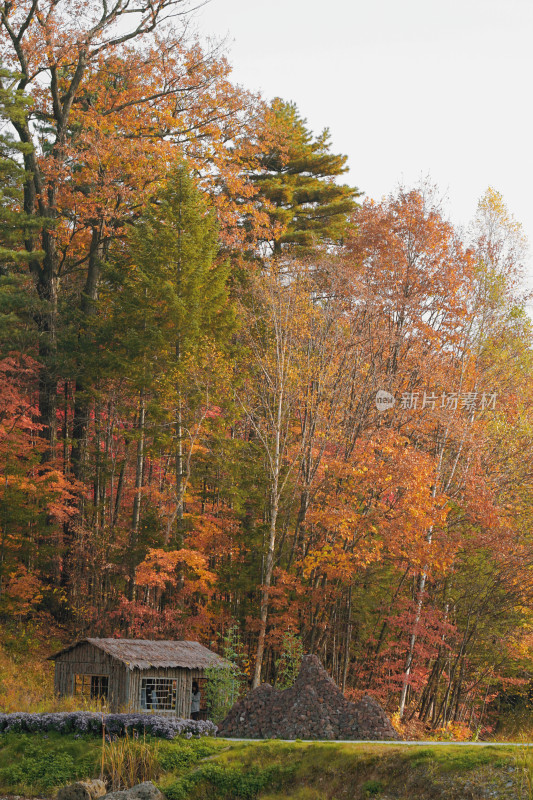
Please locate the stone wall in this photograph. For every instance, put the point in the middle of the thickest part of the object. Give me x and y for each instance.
(313, 708)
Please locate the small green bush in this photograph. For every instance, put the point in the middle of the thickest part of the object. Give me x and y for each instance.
(228, 783)
(36, 769)
(290, 660)
(372, 787)
(176, 758)
(223, 686)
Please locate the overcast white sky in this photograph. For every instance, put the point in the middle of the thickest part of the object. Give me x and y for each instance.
(407, 87)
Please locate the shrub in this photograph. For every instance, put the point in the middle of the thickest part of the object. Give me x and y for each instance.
(88, 722)
(130, 760)
(223, 686)
(290, 660)
(174, 759)
(36, 769)
(230, 783)
(372, 787)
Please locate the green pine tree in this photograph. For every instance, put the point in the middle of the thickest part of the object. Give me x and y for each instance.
(172, 249)
(297, 177)
(163, 299)
(16, 227)
(163, 323)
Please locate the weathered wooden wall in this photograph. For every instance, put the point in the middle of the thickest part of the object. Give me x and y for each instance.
(86, 659)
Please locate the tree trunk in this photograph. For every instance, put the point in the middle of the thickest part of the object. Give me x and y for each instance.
(412, 642)
(180, 479)
(47, 325)
(265, 592)
(136, 515)
(347, 640)
(81, 401)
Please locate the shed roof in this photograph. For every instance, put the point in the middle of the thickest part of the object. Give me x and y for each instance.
(148, 654)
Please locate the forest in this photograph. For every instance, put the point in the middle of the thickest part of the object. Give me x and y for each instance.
(235, 395)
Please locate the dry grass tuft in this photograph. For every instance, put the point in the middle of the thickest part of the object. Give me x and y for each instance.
(128, 761)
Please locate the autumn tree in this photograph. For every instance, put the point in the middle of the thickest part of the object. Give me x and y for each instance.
(414, 274)
(35, 499)
(275, 317)
(98, 136)
(443, 314)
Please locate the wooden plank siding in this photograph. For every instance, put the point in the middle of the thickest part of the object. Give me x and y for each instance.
(89, 660)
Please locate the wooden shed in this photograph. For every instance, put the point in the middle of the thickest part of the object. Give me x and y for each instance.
(135, 674)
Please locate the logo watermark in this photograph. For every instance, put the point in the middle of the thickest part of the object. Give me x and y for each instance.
(384, 400)
(449, 401)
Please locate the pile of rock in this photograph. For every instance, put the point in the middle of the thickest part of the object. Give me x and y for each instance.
(313, 708)
(94, 790)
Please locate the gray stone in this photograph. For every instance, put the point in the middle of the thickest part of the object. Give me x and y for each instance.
(313, 708)
(143, 791)
(82, 790)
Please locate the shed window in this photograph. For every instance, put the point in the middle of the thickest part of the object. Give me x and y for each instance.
(159, 694)
(94, 686)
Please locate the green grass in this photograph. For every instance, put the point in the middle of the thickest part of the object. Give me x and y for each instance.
(32, 763)
(459, 759)
(209, 769)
